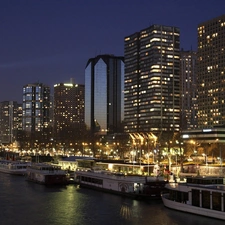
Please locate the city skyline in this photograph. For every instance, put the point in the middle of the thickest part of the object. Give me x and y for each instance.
(51, 41)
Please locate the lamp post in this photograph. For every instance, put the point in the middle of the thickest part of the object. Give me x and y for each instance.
(220, 161)
(148, 155)
(82, 148)
(206, 160)
(153, 155)
(133, 154)
(176, 164)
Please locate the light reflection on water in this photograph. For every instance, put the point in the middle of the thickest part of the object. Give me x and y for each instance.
(23, 203)
(126, 212)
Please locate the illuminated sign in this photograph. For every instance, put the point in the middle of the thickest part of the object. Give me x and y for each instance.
(185, 136)
(207, 130)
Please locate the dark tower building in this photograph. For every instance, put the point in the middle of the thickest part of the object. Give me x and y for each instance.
(104, 86)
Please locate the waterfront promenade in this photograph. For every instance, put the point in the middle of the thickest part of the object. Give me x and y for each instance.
(196, 169)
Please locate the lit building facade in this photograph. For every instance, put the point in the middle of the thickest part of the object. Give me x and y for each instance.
(188, 88)
(211, 73)
(104, 100)
(68, 111)
(36, 113)
(10, 121)
(152, 82)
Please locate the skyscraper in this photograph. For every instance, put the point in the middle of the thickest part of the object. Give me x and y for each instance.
(188, 84)
(211, 72)
(152, 60)
(68, 111)
(104, 85)
(36, 112)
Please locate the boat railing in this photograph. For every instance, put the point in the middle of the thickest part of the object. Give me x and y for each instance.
(172, 185)
(13, 165)
(155, 178)
(47, 171)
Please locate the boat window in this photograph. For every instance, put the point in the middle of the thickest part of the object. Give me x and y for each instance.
(178, 196)
(91, 180)
(224, 201)
(195, 197)
(216, 201)
(206, 199)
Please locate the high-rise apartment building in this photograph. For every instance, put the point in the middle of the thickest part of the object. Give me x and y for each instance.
(211, 72)
(152, 85)
(104, 86)
(188, 89)
(10, 121)
(36, 112)
(68, 111)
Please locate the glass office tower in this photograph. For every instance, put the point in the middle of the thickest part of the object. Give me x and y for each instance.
(104, 85)
(152, 61)
(211, 73)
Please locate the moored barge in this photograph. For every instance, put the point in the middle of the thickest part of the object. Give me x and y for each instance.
(14, 167)
(134, 186)
(46, 174)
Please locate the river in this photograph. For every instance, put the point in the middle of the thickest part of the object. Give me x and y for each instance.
(26, 203)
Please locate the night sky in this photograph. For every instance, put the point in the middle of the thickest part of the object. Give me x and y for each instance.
(50, 41)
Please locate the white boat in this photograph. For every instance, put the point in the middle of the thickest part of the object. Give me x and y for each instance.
(46, 174)
(13, 167)
(135, 186)
(198, 195)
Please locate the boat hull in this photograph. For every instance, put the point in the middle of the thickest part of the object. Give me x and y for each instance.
(48, 179)
(191, 209)
(14, 172)
(137, 196)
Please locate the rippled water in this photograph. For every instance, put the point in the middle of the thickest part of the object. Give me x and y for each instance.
(23, 203)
